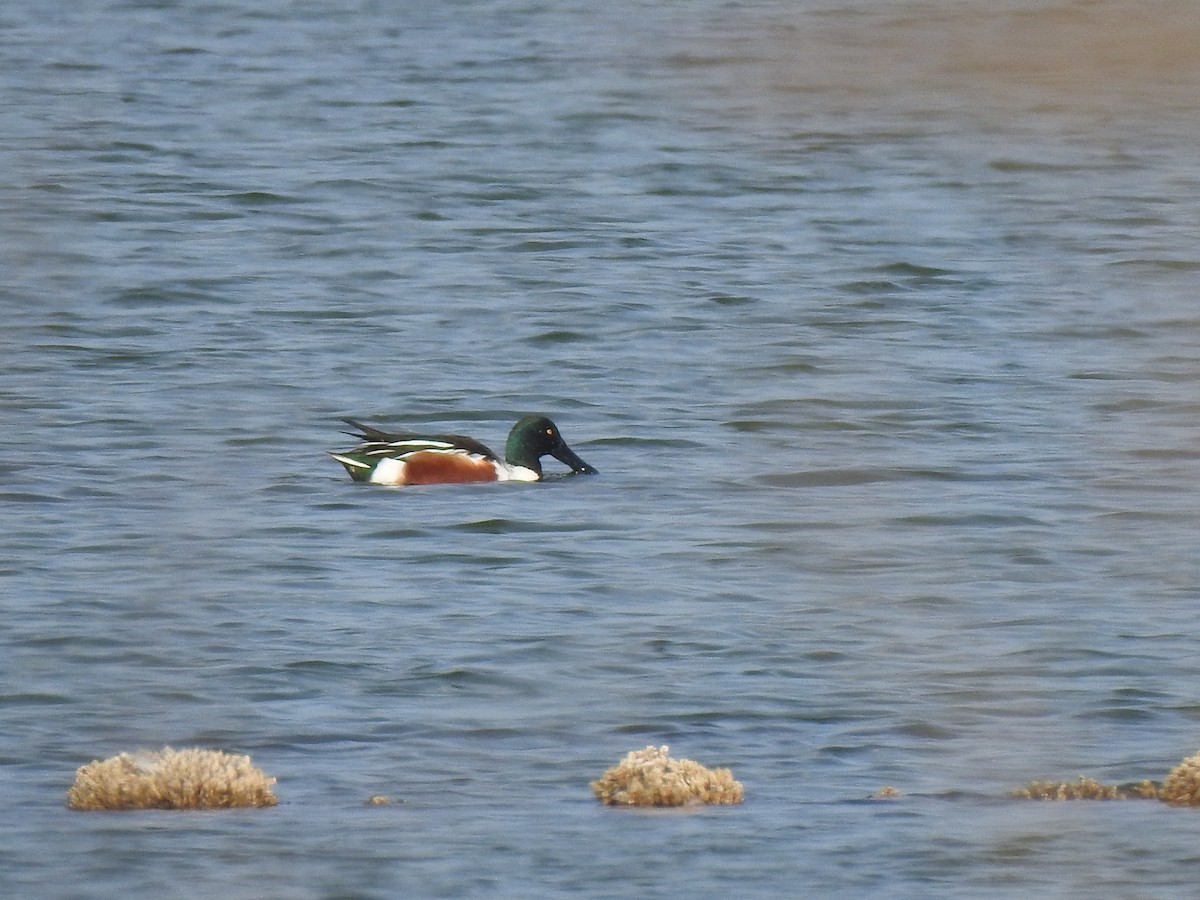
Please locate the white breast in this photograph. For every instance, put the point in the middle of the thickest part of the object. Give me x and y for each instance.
(516, 473)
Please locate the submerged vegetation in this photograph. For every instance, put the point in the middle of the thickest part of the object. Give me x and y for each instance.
(1085, 789)
(1181, 788)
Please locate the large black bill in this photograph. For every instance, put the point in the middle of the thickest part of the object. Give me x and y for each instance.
(565, 454)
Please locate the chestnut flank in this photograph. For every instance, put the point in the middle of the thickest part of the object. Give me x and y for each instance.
(431, 467)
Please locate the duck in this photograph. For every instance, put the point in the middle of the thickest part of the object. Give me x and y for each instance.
(404, 458)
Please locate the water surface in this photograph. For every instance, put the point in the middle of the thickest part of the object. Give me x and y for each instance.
(879, 321)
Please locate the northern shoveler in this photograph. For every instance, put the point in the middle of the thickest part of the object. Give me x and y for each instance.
(410, 458)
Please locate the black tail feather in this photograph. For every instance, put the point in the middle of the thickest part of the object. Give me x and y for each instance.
(367, 433)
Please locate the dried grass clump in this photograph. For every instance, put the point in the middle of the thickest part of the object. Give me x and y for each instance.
(1182, 787)
(651, 778)
(171, 779)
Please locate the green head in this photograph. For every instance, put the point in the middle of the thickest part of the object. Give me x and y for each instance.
(536, 436)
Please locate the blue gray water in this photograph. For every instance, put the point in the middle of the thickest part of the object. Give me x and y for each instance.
(879, 320)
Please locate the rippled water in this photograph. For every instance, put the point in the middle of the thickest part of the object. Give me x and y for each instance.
(879, 320)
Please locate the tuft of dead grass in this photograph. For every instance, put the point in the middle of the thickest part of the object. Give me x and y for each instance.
(1182, 787)
(650, 777)
(171, 779)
